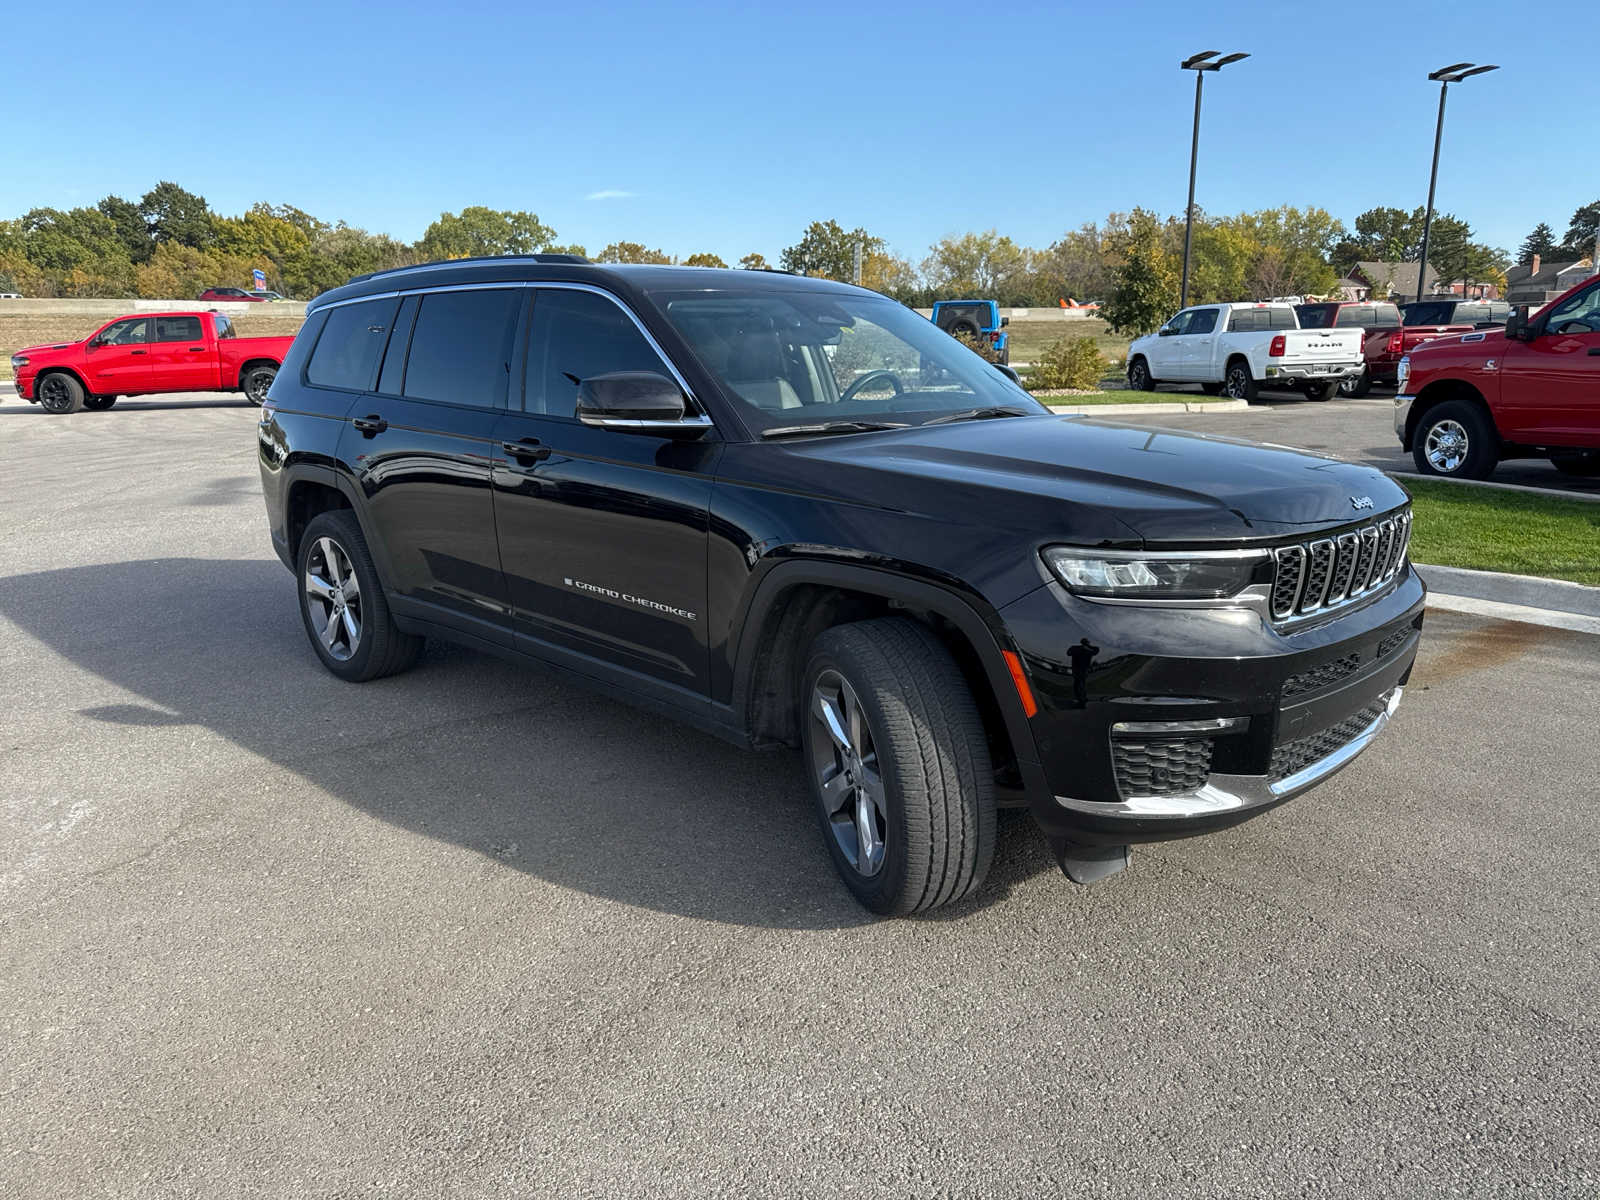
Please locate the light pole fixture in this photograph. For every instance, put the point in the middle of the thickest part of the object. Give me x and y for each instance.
(1445, 76)
(1206, 60)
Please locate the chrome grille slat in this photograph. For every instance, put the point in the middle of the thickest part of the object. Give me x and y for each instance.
(1321, 575)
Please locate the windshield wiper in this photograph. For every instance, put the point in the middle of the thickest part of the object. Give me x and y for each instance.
(980, 414)
(782, 431)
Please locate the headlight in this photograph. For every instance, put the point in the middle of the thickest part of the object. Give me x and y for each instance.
(1192, 575)
(18, 360)
(1402, 373)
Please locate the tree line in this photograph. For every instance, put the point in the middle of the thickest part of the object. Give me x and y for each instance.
(169, 243)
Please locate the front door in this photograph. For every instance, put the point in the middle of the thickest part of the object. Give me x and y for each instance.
(180, 359)
(1165, 352)
(602, 533)
(117, 363)
(1198, 346)
(421, 442)
(1550, 387)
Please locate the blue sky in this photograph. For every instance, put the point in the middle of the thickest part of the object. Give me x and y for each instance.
(728, 127)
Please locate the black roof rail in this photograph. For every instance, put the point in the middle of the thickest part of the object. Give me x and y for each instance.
(478, 258)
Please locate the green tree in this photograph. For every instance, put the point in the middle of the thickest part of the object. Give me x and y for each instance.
(632, 252)
(1144, 290)
(569, 248)
(1583, 231)
(481, 231)
(754, 262)
(985, 266)
(129, 223)
(173, 214)
(703, 260)
(1542, 241)
(827, 250)
(1077, 267)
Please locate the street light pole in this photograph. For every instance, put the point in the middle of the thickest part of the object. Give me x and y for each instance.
(1445, 76)
(1199, 64)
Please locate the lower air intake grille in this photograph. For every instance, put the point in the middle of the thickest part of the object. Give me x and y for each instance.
(1317, 678)
(1290, 757)
(1162, 768)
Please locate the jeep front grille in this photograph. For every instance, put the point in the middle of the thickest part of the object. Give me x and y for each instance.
(1313, 577)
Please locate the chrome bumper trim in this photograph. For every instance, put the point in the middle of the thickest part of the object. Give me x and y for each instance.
(1237, 793)
(1402, 411)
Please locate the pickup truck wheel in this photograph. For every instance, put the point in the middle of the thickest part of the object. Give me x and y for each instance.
(1361, 385)
(1585, 465)
(342, 604)
(59, 393)
(1139, 377)
(1454, 439)
(98, 403)
(1322, 392)
(1238, 383)
(256, 382)
(898, 764)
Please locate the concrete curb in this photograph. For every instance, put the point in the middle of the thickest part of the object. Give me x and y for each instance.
(1528, 591)
(1558, 493)
(1101, 410)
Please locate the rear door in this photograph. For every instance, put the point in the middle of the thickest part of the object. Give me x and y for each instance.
(118, 363)
(1550, 387)
(180, 358)
(422, 442)
(602, 533)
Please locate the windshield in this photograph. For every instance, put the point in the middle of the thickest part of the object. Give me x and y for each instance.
(803, 358)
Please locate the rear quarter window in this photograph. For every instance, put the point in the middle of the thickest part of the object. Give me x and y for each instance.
(353, 337)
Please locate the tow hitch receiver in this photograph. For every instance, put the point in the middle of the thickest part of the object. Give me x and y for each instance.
(1088, 864)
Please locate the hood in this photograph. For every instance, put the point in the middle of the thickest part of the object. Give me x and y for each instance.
(1091, 480)
(45, 349)
(1478, 339)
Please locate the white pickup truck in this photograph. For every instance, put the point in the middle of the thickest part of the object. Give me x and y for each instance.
(1237, 348)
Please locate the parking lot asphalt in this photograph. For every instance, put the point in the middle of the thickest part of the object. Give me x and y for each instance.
(1359, 430)
(470, 931)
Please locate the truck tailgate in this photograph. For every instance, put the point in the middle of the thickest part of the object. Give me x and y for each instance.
(1321, 346)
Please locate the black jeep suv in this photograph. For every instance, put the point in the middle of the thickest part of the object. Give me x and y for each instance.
(795, 513)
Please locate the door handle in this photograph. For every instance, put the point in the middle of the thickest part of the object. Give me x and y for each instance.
(1594, 351)
(197, 349)
(131, 352)
(370, 424)
(527, 450)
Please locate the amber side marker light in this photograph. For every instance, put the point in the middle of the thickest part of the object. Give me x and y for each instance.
(1024, 692)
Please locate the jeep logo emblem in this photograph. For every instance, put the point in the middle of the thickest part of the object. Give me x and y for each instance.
(1360, 502)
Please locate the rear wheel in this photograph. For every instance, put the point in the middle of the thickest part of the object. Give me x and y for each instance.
(1322, 392)
(256, 382)
(1585, 464)
(1238, 383)
(98, 403)
(1139, 377)
(59, 393)
(342, 604)
(1455, 440)
(1360, 385)
(898, 765)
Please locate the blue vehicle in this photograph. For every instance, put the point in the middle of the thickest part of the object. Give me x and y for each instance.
(975, 319)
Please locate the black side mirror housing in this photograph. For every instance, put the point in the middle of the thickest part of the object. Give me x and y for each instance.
(1004, 321)
(636, 401)
(1008, 373)
(1517, 324)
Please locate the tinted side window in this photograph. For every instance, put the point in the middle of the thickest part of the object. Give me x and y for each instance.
(177, 329)
(394, 359)
(576, 335)
(461, 347)
(347, 352)
(1468, 313)
(223, 326)
(127, 333)
(1314, 316)
(1202, 320)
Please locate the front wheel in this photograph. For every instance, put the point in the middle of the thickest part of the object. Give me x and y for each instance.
(60, 394)
(1455, 440)
(1238, 383)
(898, 765)
(256, 382)
(1139, 377)
(342, 604)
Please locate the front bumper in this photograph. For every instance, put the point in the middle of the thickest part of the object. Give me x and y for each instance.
(24, 382)
(1402, 418)
(1290, 707)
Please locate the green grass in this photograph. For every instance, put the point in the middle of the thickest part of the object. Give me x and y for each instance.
(1490, 529)
(1029, 338)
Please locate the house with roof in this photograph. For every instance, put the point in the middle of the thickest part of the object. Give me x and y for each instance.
(1538, 282)
(1398, 281)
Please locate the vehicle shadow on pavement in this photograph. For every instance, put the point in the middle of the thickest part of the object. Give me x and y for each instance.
(532, 772)
(16, 407)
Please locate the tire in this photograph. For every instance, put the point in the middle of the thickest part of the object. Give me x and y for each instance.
(98, 403)
(1211, 389)
(59, 393)
(377, 647)
(1455, 440)
(966, 329)
(1005, 355)
(255, 383)
(1585, 465)
(1322, 392)
(1238, 383)
(1361, 385)
(1139, 377)
(909, 722)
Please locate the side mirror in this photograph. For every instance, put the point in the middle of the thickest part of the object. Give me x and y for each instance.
(1164, 331)
(636, 401)
(1004, 321)
(1517, 324)
(1008, 373)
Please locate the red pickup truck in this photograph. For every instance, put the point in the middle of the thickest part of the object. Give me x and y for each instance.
(150, 352)
(1529, 390)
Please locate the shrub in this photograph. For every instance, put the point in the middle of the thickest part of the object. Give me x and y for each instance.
(980, 345)
(1069, 362)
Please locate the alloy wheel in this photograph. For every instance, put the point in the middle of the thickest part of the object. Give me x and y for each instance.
(54, 394)
(844, 757)
(1446, 446)
(333, 595)
(1238, 383)
(256, 387)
